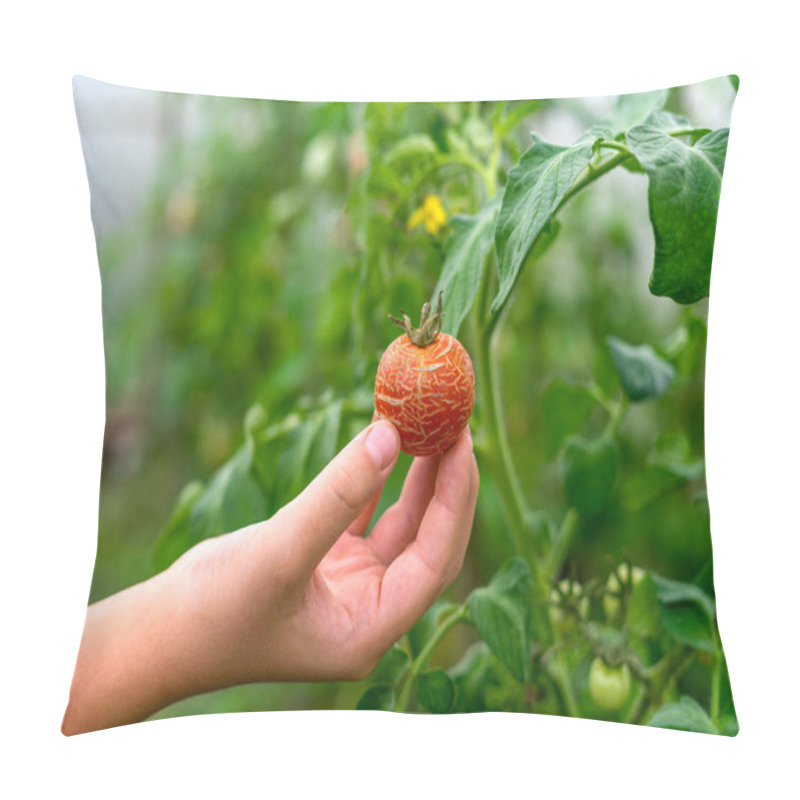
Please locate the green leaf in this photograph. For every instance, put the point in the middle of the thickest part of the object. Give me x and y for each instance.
(413, 146)
(500, 625)
(236, 496)
(233, 499)
(377, 698)
(514, 581)
(642, 373)
(671, 592)
(668, 467)
(685, 715)
(565, 409)
(174, 539)
(465, 255)
(672, 123)
(268, 446)
(535, 187)
(501, 614)
(683, 196)
(687, 612)
(436, 691)
(471, 677)
(687, 624)
(590, 471)
(326, 438)
(292, 472)
(656, 480)
(288, 454)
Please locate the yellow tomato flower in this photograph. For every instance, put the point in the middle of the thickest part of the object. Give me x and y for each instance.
(431, 213)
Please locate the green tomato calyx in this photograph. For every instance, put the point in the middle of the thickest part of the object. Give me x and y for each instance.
(430, 325)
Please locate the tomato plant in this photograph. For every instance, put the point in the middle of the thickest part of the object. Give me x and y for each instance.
(584, 389)
(425, 385)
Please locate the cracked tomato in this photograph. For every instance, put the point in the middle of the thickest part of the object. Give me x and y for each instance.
(425, 385)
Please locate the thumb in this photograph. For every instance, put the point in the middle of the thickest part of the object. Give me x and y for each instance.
(311, 523)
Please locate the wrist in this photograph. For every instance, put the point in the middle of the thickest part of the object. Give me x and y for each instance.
(126, 668)
(201, 588)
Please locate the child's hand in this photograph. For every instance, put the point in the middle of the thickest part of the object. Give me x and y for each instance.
(302, 596)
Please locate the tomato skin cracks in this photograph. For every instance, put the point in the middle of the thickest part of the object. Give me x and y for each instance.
(427, 392)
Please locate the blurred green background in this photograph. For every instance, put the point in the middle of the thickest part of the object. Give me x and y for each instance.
(250, 251)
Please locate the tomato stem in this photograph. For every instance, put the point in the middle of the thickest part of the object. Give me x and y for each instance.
(658, 676)
(430, 325)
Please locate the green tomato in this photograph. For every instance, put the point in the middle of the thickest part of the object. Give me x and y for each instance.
(609, 686)
(614, 588)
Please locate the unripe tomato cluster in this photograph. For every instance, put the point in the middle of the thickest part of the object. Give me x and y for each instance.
(614, 588)
(565, 601)
(425, 386)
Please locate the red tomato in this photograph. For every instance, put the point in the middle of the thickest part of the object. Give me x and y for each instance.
(426, 390)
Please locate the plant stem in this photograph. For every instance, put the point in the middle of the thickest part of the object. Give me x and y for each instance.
(658, 677)
(614, 145)
(564, 684)
(459, 615)
(497, 452)
(595, 172)
(499, 460)
(563, 544)
(600, 397)
(612, 429)
(498, 448)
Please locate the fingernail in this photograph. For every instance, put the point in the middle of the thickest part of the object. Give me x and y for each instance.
(382, 444)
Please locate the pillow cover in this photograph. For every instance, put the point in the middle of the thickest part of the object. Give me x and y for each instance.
(250, 252)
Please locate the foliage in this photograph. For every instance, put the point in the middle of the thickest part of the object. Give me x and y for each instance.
(588, 421)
